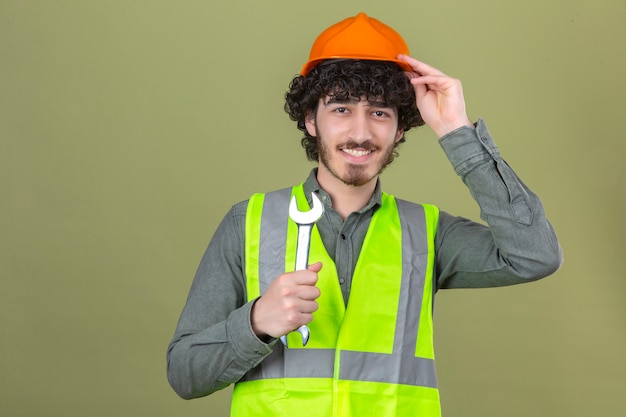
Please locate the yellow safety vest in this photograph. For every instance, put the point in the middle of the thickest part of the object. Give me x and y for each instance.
(372, 358)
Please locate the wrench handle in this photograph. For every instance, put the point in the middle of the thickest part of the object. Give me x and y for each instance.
(302, 261)
(302, 248)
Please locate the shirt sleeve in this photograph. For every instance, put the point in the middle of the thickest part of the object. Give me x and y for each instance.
(517, 245)
(214, 345)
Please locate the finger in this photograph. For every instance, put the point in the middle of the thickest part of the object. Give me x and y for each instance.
(307, 292)
(304, 318)
(442, 81)
(303, 277)
(420, 91)
(419, 66)
(316, 267)
(309, 307)
(410, 74)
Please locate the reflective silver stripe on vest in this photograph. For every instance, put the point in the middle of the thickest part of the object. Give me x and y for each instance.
(400, 367)
(294, 363)
(272, 264)
(273, 236)
(380, 367)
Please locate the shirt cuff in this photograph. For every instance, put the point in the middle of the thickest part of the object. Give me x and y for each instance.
(248, 346)
(467, 147)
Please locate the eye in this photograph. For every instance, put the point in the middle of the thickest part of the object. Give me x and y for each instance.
(380, 113)
(341, 110)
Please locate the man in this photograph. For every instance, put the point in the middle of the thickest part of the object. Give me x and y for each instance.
(376, 261)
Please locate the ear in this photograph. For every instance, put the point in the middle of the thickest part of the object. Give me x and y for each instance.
(309, 122)
(399, 135)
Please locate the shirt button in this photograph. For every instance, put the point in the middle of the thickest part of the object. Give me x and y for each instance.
(342, 281)
(343, 236)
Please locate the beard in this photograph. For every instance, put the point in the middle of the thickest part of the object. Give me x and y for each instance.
(355, 175)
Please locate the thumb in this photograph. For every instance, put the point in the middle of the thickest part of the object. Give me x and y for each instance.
(316, 267)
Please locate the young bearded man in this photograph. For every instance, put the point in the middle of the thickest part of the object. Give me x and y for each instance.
(376, 261)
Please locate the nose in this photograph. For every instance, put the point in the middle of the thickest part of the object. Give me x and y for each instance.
(360, 127)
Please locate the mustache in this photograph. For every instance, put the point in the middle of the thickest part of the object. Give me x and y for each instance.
(367, 145)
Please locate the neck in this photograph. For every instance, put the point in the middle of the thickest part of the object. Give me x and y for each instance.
(346, 198)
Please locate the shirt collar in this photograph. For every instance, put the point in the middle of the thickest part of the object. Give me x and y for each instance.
(312, 186)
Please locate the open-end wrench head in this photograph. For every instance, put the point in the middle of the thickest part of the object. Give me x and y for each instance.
(306, 217)
(304, 332)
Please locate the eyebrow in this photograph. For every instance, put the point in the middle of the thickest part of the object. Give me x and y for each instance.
(352, 100)
(334, 99)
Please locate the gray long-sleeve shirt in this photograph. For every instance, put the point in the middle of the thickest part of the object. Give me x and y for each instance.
(214, 345)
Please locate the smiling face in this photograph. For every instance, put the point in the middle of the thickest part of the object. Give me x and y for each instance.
(355, 138)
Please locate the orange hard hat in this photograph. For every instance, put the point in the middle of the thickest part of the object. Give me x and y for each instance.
(358, 37)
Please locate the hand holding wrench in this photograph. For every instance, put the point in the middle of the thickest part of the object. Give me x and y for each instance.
(305, 221)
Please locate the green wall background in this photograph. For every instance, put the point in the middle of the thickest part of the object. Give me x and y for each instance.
(128, 129)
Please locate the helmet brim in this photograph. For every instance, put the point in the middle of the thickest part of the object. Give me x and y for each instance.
(313, 63)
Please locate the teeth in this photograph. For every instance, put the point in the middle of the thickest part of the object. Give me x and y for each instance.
(356, 152)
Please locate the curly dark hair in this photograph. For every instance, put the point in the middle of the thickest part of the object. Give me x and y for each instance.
(351, 79)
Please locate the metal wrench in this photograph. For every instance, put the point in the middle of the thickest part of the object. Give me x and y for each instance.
(305, 221)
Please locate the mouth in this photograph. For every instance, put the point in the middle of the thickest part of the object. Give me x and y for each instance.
(357, 152)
